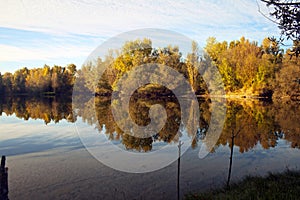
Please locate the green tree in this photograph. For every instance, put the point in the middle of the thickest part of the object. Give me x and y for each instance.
(132, 54)
(192, 64)
(245, 67)
(90, 74)
(218, 52)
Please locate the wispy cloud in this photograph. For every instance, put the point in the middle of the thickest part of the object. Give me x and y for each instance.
(43, 30)
(47, 52)
(115, 16)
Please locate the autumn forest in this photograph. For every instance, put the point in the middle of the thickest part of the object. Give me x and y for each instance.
(247, 69)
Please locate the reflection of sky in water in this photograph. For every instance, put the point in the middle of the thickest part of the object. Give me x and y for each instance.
(156, 144)
(43, 159)
(19, 137)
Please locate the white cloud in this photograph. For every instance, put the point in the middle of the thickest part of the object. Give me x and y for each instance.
(94, 21)
(14, 53)
(109, 17)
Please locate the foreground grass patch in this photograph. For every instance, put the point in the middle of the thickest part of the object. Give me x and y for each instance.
(275, 186)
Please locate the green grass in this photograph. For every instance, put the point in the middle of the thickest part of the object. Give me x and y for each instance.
(275, 186)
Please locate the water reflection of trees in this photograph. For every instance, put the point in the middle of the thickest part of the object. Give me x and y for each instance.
(288, 120)
(257, 122)
(139, 107)
(48, 109)
(260, 123)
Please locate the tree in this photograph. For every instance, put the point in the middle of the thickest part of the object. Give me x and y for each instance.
(69, 78)
(45, 79)
(90, 77)
(57, 78)
(38, 80)
(271, 48)
(19, 81)
(132, 54)
(1, 84)
(287, 77)
(192, 65)
(244, 66)
(7, 80)
(286, 14)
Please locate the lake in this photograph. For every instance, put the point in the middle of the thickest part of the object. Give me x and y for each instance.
(43, 139)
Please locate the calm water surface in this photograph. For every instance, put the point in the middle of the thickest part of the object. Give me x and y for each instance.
(47, 160)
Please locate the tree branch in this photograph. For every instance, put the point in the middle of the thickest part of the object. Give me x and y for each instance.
(281, 4)
(264, 14)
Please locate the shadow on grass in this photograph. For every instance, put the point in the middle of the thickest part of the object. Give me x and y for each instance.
(274, 186)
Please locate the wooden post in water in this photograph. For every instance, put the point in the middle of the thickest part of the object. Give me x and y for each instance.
(3, 180)
(178, 170)
(230, 162)
(231, 155)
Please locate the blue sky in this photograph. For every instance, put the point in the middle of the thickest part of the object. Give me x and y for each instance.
(34, 33)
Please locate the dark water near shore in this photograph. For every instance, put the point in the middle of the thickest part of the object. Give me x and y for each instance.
(47, 159)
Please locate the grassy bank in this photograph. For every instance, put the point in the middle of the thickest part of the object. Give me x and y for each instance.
(274, 186)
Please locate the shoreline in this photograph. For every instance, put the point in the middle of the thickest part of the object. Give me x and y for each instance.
(284, 185)
(221, 96)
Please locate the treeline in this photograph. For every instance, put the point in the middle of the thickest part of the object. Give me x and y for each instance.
(249, 69)
(251, 123)
(136, 53)
(50, 109)
(246, 68)
(47, 80)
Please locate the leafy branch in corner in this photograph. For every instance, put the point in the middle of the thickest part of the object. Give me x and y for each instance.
(286, 14)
